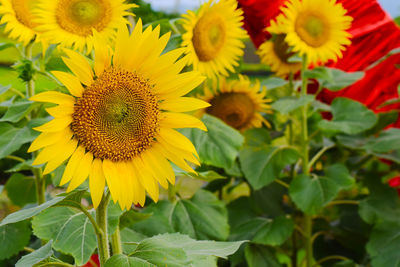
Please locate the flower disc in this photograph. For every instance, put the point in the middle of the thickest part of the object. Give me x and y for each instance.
(72, 22)
(213, 36)
(316, 28)
(117, 126)
(238, 103)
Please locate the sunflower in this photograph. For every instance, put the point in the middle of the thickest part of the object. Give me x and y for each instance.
(213, 36)
(316, 28)
(117, 124)
(18, 17)
(71, 23)
(238, 103)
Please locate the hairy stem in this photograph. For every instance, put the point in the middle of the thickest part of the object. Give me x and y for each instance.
(102, 236)
(116, 242)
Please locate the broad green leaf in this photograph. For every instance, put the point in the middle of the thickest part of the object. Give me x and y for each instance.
(387, 141)
(201, 217)
(29, 213)
(6, 45)
(217, 147)
(207, 176)
(113, 213)
(71, 231)
(21, 189)
(262, 165)
(340, 175)
(11, 138)
(120, 260)
(289, 104)
(260, 256)
(257, 137)
(23, 166)
(273, 82)
(4, 89)
(17, 111)
(131, 217)
(311, 194)
(383, 245)
(349, 117)
(36, 256)
(264, 231)
(13, 238)
(130, 240)
(334, 79)
(72, 199)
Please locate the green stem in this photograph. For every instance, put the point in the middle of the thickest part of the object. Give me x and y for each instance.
(318, 155)
(102, 237)
(171, 193)
(334, 257)
(116, 242)
(305, 165)
(97, 229)
(51, 264)
(16, 158)
(340, 202)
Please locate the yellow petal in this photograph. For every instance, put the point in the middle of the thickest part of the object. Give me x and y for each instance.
(53, 97)
(72, 165)
(126, 176)
(61, 156)
(139, 195)
(60, 111)
(183, 104)
(102, 53)
(97, 182)
(79, 66)
(70, 81)
(146, 178)
(124, 188)
(158, 173)
(111, 175)
(82, 172)
(181, 120)
(49, 152)
(178, 140)
(48, 138)
(55, 125)
(176, 159)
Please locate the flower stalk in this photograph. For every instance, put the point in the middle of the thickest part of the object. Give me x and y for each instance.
(102, 235)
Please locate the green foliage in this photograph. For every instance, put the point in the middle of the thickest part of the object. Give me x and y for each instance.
(289, 104)
(25, 70)
(333, 79)
(13, 238)
(260, 256)
(21, 189)
(12, 138)
(17, 111)
(36, 256)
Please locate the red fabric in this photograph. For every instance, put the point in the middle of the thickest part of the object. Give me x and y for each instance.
(95, 259)
(374, 35)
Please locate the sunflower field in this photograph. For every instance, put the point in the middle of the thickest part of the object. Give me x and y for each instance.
(242, 133)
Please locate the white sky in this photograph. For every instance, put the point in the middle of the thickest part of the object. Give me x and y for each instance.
(391, 6)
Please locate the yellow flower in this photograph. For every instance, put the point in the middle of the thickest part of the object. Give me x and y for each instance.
(238, 103)
(316, 28)
(117, 125)
(70, 23)
(17, 14)
(213, 37)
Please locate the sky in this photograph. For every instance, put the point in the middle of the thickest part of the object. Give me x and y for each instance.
(391, 6)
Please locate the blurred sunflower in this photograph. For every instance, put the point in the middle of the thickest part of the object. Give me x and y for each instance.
(213, 37)
(117, 126)
(316, 28)
(70, 23)
(19, 20)
(238, 103)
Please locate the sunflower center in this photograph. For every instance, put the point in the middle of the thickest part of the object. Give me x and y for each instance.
(235, 109)
(117, 116)
(82, 16)
(22, 12)
(312, 28)
(281, 48)
(209, 36)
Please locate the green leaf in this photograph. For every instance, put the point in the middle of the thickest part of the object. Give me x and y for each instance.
(334, 79)
(264, 231)
(289, 104)
(36, 256)
(71, 231)
(21, 189)
(387, 141)
(23, 166)
(217, 147)
(120, 260)
(340, 175)
(4, 89)
(207, 176)
(384, 243)
(29, 213)
(257, 137)
(201, 217)
(6, 45)
(17, 111)
(311, 194)
(262, 165)
(11, 138)
(260, 256)
(130, 240)
(273, 82)
(13, 238)
(131, 217)
(349, 117)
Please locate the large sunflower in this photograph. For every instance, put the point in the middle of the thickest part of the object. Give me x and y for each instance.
(316, 28)
(238, 103)
(18, 17)
(117, 126)
(70, 23)
(213, 37)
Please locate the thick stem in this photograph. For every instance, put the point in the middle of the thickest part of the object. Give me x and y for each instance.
(305, 161)
(102, 237)
(116, 242)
